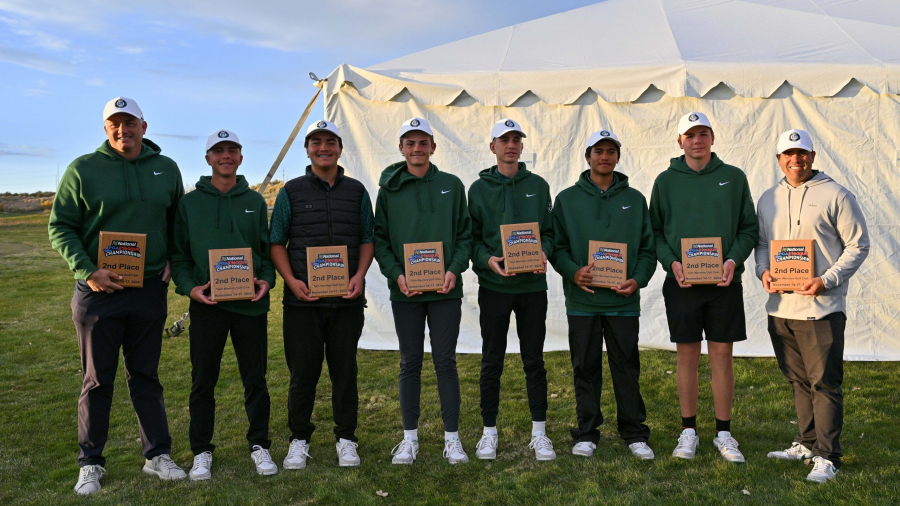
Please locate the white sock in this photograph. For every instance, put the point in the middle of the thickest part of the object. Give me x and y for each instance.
(692, 432)
(490, 431)
(412, 435)
(451, 435)
(538, 427)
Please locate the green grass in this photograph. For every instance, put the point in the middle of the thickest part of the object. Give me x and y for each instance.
(40, 378)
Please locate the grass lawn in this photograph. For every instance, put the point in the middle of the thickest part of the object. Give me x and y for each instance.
(41, 379)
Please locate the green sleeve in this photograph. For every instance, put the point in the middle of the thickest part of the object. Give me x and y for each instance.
(170, 214)
(481, 254)
(384, 253)
(462, 246)
(747, 235)
(546, 225)
(366, 220)
(646, 261)
(281, 219)
(267, 269)
(182, 261)
(562, 259)
(664, 253)
(65, 225)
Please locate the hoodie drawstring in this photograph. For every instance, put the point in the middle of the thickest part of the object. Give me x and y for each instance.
(799, 208)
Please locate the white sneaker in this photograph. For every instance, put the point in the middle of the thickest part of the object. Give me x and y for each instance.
(796, 452)
(165, 468)
(89, 479)
(728, 447)
(405, 452)
(202, 468)
(486, 449)
(641, 450)
(823, 470)
(296, 455)
(453, 451)
(542, 446)
(346, 452)
(263, 461)
(584, 448)
(688, 442)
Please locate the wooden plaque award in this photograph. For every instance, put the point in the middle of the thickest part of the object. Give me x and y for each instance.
(123, 253)
(521, 247)
(231, 274)
(327, 271)
(791, 263)
(701, 260)
(610, 261)
(424, 266)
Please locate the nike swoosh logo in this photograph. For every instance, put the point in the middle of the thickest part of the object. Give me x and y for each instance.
(723, 184)
(532, 195)
(156, 173)
(246, 211)
(623, 207)
(445, 191)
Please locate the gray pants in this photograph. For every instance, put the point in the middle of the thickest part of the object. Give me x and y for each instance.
(811, 356)
(443, 325)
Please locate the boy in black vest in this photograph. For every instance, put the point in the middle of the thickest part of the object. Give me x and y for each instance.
(322, 208)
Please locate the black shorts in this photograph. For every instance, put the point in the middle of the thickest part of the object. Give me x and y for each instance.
(717, 312)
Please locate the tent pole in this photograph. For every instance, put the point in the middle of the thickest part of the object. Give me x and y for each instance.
(290, 140)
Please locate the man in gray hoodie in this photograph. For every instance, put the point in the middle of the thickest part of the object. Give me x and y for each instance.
(807, 325)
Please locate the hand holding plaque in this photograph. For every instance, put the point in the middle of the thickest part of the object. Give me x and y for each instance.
(791, 264)
(329, 275)
(610, 263)
(231, 274)
(424, 266)
(123, 253)
(521, 248)
(701, 260)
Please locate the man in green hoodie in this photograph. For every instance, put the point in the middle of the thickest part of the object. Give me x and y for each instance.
(507, 194)
(125, 186)
(418, 203)
(223, 213)
(602, 207)
(700, 196)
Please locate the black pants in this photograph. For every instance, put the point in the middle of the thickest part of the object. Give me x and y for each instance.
(209, 329)
(811, 356)
(312, 334)
(586, 334)
(443, 327)
(131, 319)
(531, 323)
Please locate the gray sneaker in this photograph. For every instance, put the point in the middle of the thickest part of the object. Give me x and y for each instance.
(263, 461)
(453, 451)
(584, 449)
(202, 468)
(486, 449)
(405, 452)
(89, 479)
(687, 444)
(296, 455)
(728, 447)
(347, 455)
(823, 470)
(796, 452)
(165, 468)
(542, 446)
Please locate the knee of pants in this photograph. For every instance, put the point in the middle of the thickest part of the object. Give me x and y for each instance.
(821, 387)
(410, 367)
(445, 364)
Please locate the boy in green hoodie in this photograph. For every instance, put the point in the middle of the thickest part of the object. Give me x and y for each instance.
(602, 207)
(224, 213)
(506, 194)
(418, 203)
(699, 196)
(125, 186)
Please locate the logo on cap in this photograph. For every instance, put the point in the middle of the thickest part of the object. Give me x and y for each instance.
(414, 123)
(604, 133)
(794, 137)
(120, 103)
(693, 117)
(223, 134)
(321, 124)
(509, 123)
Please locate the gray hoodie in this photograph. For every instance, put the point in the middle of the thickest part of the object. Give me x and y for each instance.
(823, 210)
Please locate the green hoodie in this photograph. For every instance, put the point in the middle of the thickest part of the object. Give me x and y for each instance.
(102, 191)
(714, 202)
(429, 209)
(582, 214)
(209, 219)
(496, 200)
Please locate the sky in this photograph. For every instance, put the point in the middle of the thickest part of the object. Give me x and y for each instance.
(198, 66)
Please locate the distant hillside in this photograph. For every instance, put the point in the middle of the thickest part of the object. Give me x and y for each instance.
(26, 202)
(271, 191)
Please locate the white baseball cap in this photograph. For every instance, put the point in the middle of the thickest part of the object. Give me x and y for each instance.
(692, 119)
(323, 126)
(415, 124)
(602, 135)
(794, 138)
(505, 125)
(221, 136)
(122, 104)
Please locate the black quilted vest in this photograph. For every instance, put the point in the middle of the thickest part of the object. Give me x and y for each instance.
(321, 217)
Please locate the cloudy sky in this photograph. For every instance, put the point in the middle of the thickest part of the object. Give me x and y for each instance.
(196, 66)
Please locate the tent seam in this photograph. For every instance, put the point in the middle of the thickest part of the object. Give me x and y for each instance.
(684, 69)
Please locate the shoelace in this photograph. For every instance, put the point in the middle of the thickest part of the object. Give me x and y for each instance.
(262, 454)
(405, 446)
(165, 462)
(203, 460)
(795, 449)
(820, 465)
(540, 443)
(347, 449)
(298, 450)
(730, 443)
(88, 473)
(487, 441)
(687, 440)
(641, 446)
(452, 446)
(584, 445)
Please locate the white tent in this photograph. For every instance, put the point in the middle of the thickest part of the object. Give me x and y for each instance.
(756, 67)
